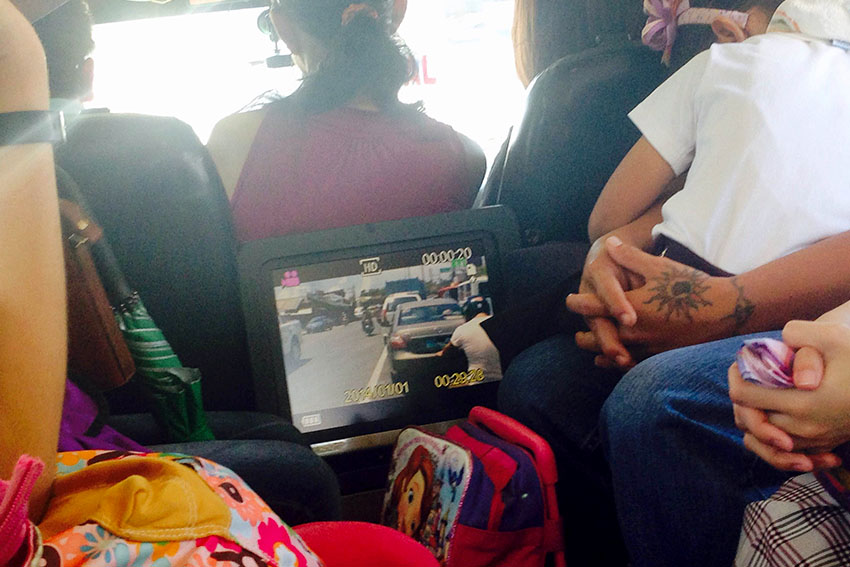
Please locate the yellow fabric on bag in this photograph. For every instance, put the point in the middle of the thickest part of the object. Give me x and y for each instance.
(139, 499)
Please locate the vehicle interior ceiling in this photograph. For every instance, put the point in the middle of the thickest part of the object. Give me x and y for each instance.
(106, 11)
(192, 290)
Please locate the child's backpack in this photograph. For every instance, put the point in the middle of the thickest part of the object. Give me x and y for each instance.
(481, 495)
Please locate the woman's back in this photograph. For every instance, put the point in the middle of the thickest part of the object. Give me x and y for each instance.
(342, 150)
(348, 166)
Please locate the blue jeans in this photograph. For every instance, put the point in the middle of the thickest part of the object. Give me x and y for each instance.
(681, 474)
(677, 468)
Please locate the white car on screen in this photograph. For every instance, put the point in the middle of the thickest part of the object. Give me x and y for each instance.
(392, 302)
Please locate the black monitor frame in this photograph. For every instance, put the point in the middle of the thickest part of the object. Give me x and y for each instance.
(493, 228)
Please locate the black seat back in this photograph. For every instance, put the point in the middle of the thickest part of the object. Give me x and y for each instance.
(155, 191)
(574, 132)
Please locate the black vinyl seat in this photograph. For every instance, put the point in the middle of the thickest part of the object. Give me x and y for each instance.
(155, 191)
(572, 135)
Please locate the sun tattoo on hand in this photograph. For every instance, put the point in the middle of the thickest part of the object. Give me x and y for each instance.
(680, 291)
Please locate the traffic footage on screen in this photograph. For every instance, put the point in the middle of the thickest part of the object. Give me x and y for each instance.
(379, 330)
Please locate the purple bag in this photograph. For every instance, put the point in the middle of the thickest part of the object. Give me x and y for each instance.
(79, 413)
(482, 495)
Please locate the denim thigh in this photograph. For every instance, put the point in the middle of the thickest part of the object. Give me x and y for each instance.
(680, 472)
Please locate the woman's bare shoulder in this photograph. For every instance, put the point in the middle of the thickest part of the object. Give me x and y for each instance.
(236, 123)
(230, 143)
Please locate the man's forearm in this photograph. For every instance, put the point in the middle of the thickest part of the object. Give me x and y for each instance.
(801, 285)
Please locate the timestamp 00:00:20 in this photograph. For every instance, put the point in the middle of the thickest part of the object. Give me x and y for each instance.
(377, 392)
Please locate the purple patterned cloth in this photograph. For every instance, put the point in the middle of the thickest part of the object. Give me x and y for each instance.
(768, 362)
(78, 414)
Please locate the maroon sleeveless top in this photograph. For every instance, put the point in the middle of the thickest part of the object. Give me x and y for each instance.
(346, 167)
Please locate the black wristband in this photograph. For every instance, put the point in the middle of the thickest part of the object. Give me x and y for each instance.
(31, 127)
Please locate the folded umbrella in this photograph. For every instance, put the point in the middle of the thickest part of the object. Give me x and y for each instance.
(174, 390)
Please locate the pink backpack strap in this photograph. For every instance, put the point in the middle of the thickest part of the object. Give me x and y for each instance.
(18, 536)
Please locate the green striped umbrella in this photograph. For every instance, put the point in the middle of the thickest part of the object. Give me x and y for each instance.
(175, 389)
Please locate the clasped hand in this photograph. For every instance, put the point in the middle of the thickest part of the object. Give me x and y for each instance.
(637, 304)
(798, 429)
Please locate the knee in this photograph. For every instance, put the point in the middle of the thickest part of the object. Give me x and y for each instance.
(513, 395)
(525, 389)
(305, 488)
(633, 413)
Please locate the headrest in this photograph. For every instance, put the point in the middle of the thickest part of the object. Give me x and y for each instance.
(34, 10)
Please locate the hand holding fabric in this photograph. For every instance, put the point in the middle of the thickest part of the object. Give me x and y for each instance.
(799, 429)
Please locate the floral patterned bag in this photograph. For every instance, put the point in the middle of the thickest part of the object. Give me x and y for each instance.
(122, 509)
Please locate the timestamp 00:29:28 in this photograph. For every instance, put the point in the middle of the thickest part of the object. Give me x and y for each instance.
(459, 379)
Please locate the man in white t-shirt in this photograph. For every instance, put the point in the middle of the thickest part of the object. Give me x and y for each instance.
(673, 452)
(480, 352)
(763, 130)
(66, 34)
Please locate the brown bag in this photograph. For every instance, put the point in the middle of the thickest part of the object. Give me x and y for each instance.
(96, 347)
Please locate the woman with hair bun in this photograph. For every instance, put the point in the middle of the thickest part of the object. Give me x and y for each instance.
(342, 149)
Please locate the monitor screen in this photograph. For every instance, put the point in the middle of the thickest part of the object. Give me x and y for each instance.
(360, 321)
(372, 331)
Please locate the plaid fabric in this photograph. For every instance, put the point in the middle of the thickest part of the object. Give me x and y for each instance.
(801, 525)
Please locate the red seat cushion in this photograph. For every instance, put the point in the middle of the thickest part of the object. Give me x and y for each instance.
(357, 544)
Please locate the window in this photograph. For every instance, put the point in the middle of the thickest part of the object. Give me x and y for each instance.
(202, 67)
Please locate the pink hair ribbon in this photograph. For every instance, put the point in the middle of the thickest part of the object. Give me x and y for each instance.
(348, 13)
(665, 16)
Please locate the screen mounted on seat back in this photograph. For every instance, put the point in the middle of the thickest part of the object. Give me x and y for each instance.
(361, 319)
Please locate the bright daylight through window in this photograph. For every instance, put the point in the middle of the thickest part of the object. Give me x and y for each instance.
(202, 67)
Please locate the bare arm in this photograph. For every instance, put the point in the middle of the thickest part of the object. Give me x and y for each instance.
(476, 167)
(801, 285)
(449, 350)
(637, 183)
(32, 280)
(230, 143)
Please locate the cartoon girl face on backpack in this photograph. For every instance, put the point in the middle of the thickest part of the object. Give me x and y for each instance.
(413, 494)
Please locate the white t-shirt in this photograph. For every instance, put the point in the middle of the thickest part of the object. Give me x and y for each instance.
(480, 351)
(765, 128)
